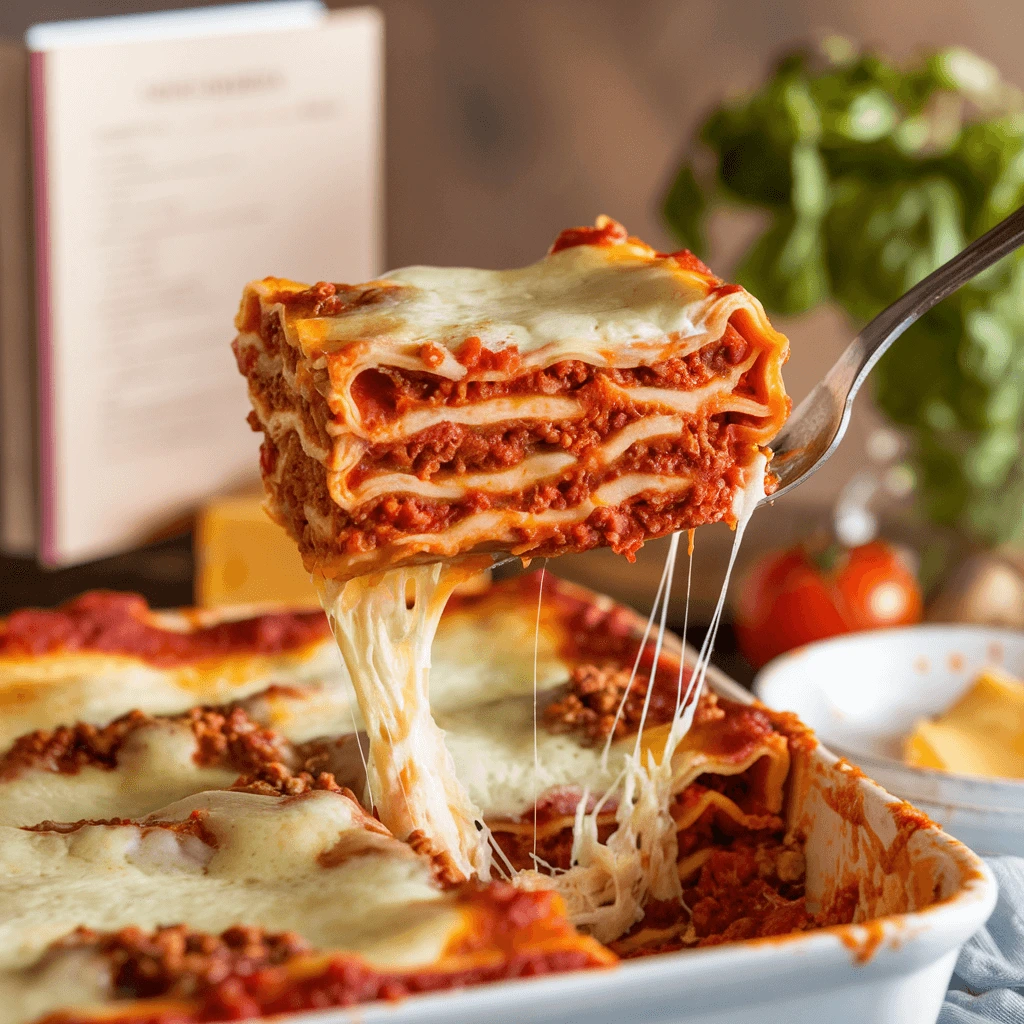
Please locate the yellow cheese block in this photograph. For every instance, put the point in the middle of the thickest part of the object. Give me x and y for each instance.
(981, 734)
(244, 557)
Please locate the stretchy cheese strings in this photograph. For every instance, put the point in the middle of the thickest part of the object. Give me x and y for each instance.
(362, 754)
(686, 616)
(670, 567)
(636, 665)
(536, 748)
(748, 501)
(367, 795)
(504, 865)
(385, 625)
(609, 883)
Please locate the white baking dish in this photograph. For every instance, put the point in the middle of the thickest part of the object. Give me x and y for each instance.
(893, 969)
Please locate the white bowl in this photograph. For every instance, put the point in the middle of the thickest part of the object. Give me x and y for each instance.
(862, 693)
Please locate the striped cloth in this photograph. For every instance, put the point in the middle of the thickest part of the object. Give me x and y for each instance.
(988, 983)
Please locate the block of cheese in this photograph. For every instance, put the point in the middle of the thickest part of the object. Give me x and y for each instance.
(981, 734)
(244, 557)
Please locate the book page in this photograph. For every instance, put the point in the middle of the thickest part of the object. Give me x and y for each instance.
(170, 172)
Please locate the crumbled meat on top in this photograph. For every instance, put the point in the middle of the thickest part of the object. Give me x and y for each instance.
(277, 779)
(596, 691)
(69, 748)
(179, 962)
(227, 737)
(592, 701)
(232, 738)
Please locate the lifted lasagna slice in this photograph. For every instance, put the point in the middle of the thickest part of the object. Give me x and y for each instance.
(602, 396)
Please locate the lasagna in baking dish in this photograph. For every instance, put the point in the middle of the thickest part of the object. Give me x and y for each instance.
(208, 851)
(605, 395)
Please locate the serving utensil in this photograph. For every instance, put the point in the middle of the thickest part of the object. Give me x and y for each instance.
(818, 423)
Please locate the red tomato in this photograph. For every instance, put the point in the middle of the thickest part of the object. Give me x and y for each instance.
(790, 598)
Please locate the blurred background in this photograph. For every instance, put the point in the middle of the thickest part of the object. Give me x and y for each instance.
(506, 121)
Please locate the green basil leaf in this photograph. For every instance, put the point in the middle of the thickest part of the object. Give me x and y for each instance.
(810, 182)
(785, 268)
(873, 175)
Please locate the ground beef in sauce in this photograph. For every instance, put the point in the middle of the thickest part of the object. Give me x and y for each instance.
(301, 481)
(177, 961)
(591, 707)
(242, 974)
(750, 886)
(224, 737)
(385, 393)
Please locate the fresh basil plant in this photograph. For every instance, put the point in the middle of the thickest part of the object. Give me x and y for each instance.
(872, 176)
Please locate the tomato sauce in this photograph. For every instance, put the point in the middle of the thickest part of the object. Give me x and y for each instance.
(106, 622)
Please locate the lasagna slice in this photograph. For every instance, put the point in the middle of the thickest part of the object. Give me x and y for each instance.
(240, 904)
(604, 395)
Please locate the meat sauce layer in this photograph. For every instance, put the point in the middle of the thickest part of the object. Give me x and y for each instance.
(458, 448)
(385, 394)
(224, 737)
(295, 481)
(247, 972)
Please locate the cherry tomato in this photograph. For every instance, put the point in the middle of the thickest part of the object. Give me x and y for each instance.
(790, 598)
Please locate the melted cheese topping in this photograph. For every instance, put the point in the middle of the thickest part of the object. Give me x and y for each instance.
(264, 871)
(155, 766)
(598, 303)
(62, 688)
